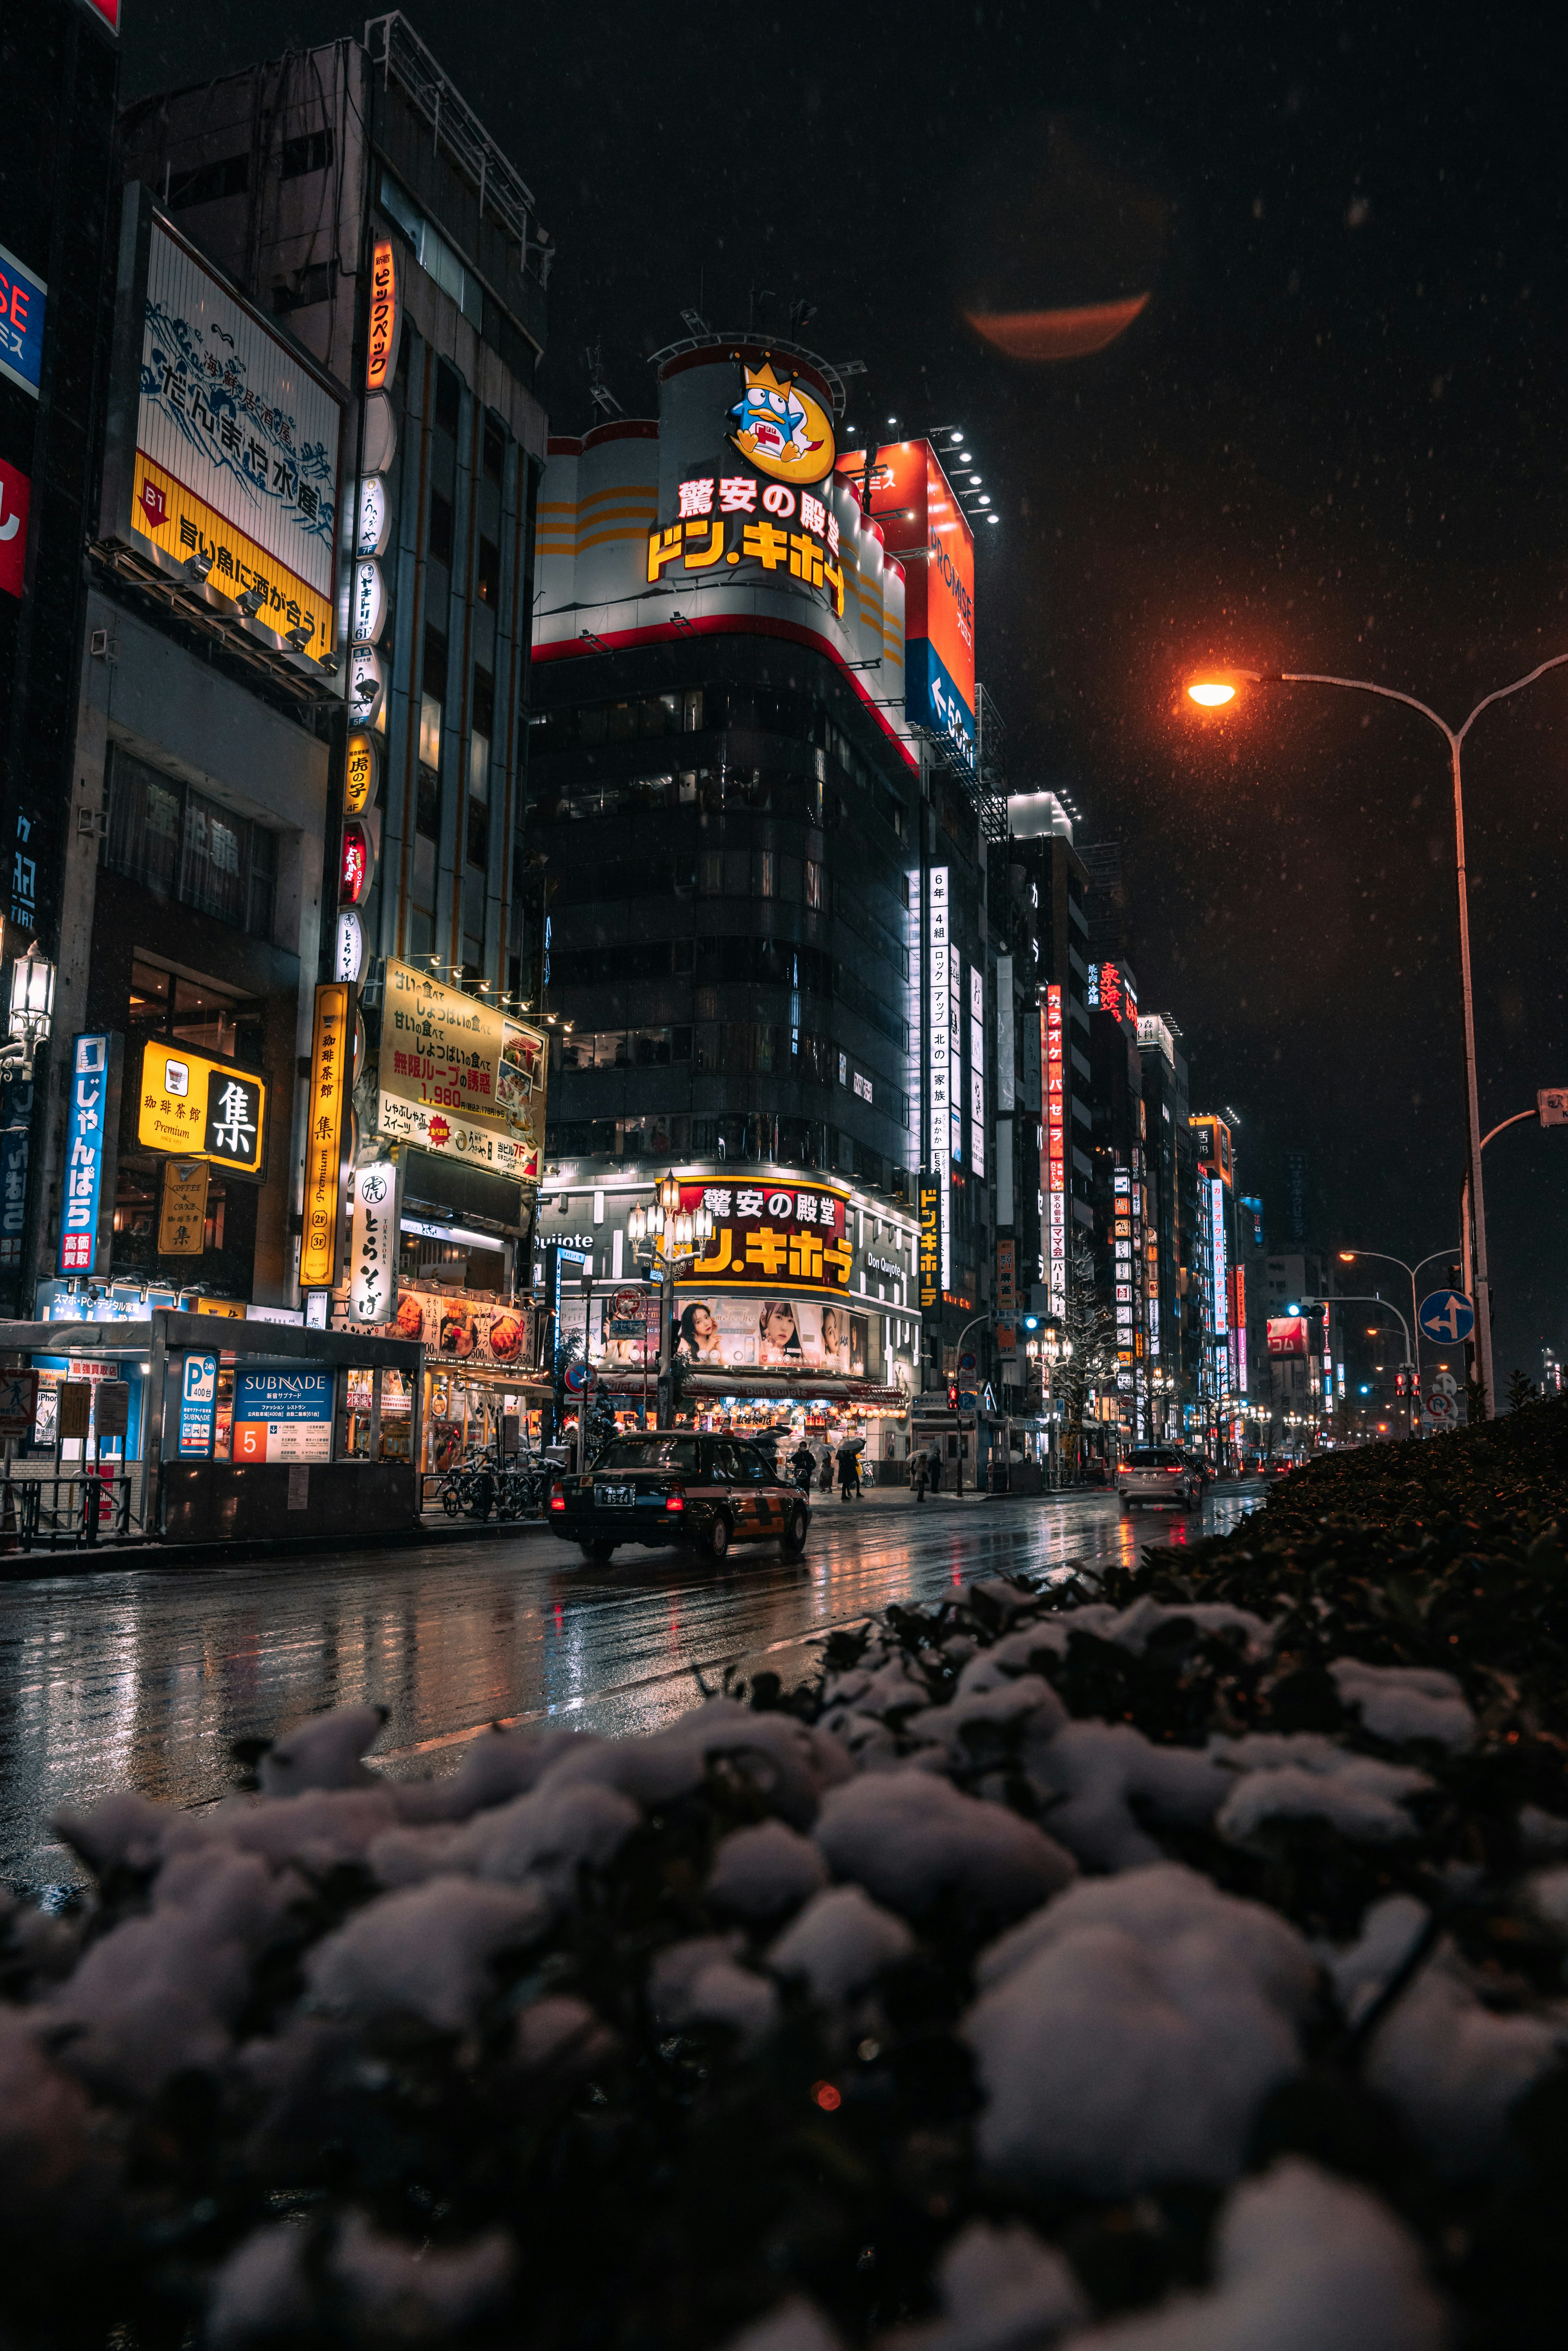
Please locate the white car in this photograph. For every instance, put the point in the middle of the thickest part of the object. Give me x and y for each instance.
(1158, 1477)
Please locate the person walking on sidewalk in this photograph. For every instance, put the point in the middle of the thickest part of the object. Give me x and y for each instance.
(935, 1461)
(919, 1471)
(849, 1468)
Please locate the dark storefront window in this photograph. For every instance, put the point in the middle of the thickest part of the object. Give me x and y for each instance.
(180, 845)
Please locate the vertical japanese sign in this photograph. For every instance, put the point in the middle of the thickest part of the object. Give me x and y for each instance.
(183, 1211)
(15, 1132)
(977, 1071)
(1053, 1169)
(1221, 1319)
(85, 1136)
(198, 1407)
(1123, 1268)
(381, 363)
(330, 1046)
(373, 1243)
(940, 1029)
(930, 1248)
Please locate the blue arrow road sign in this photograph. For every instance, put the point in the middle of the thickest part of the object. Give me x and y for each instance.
(1447, 1316)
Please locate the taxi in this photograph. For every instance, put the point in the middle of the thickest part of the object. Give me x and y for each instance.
(666, 1486)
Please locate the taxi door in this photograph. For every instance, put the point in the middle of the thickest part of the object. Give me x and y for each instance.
(731, 1472)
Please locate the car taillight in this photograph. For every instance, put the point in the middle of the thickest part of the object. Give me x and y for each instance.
(558, 1500)
(675, 1501)
(1172, 1468)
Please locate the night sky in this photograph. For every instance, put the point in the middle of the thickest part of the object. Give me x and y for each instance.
(1331, 441)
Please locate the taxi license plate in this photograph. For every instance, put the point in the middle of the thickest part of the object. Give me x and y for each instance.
(615, 1497)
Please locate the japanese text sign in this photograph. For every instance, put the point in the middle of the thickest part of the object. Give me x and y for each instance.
(770, 1236)
(380, 362)
(235, 447)
(283, 1417)
(458, 1076)
(331, 1045)
(22, 298)
(373, 1243)
(182, 1212)
(201, 1109)
(198, 1407)
(85, 1138)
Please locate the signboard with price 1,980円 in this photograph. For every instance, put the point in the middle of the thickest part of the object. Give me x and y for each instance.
(199, 1108)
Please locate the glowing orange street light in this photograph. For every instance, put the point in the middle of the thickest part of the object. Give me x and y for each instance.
(1219, 688)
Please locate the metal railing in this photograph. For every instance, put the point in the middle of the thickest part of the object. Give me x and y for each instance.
(92, 1511)
(396, 47)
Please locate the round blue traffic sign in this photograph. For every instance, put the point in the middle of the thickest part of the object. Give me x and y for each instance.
(1447, 1316)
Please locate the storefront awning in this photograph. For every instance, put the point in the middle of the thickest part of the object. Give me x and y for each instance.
(772, 1387)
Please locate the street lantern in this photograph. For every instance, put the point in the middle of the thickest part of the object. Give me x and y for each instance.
(32, 1010)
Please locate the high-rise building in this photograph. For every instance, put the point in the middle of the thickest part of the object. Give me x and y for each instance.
(300, 715)
(1169, 1215)
(763, 866)
(1120, 1187)
(60, 66)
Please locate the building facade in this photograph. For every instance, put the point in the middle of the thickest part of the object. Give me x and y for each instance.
(758, 841)
(57, 186)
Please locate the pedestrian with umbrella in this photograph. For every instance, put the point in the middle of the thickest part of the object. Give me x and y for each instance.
(850, 1451)
(803, 1462)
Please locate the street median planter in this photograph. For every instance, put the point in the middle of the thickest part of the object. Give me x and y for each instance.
(1170, 1959)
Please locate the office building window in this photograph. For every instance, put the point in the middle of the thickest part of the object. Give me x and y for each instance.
(181, 845)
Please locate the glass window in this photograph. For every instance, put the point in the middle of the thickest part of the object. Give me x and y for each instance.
(479, 768)
(427, 796)
(429, 731)
(443, 527)
(650, 1453)
(495, 448)
(487, 571)
(483, 701)
(725, 1461)
(179, 844)
(621, 722)
(435, 665)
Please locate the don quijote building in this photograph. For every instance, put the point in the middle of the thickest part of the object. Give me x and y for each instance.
(752, 779)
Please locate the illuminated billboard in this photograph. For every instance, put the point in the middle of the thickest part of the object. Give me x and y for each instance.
(1110, 987)
(773, 1236)
(920, 518)
(223, 443)
(1213, 1154)
(726, 513)
(1053, 1170)
(1288, 1336)
(457, 1077)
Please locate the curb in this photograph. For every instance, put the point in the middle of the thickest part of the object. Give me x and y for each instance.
(107, 1559)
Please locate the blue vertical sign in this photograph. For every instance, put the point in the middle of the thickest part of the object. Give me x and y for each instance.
(198, 1407)
(84, 1154)
(22, 307)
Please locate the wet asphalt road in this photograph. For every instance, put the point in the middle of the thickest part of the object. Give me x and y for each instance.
(142, 1678)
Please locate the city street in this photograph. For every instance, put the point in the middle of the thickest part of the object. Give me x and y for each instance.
(142, 1679)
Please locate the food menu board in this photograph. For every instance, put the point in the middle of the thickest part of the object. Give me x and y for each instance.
(459, 1076)
(464, 1330)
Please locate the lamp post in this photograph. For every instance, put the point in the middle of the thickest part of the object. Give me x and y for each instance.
(1370, 1298)
(668, 1235)
(1349, 1257)
(32, 1013)
(1213, 692)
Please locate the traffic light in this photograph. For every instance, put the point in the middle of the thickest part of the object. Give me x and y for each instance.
(953, 1395)
(1030, 1321)
(1398, 1383)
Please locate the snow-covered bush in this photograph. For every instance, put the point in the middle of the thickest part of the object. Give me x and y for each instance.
(1171, 1961)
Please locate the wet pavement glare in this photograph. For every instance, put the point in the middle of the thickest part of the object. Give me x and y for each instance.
(143, 1677)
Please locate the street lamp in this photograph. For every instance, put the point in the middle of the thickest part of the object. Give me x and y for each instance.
(671, 1235)
(1219, 688)
(32, 1013)
(1349, 1257)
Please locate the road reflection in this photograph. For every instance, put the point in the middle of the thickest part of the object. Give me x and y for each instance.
(144, 1679)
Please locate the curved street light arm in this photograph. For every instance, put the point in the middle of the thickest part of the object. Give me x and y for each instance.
(1384, 693)
(1556, 661)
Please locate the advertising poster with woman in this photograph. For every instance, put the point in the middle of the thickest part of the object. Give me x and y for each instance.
(764, 1333)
